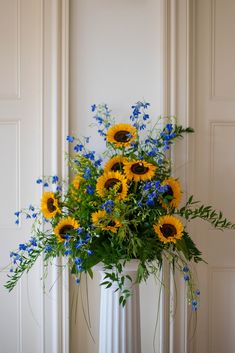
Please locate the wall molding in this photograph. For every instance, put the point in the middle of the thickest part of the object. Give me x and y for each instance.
(178, 99)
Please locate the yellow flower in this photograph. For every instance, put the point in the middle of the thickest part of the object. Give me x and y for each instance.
(77, 182)
(121, 135)
(99, 219)
(169, 229)
(174, 191)
(109, 181)
(64, 226)
(139, 170)
(115, 164)
(49, 205)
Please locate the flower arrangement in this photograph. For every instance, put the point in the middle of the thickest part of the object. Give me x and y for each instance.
(123, 206)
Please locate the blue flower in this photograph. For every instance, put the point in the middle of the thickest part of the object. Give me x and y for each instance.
(79, 268)
(134, 145)
(33, 241)
(22, 246)
(66, 243)
(153, 152)
(90, 190)
(98, 162)
(28, 216)
(150, 202)
(31, 208)
(68, 252)
(194, 305)
(45, 185)
(79, 230)
(78, 280)
(55, 179)
(17, 221)
(169, 127)
(17, 213)
(186, 278)
(108, 206)
(101, 132)
(99, 119)
(48, 248)
(90, 155)
(166, 146)
(16, 257)
(70, 138)
(136, 111)
(87, 173)
(78, 148)
(87, 238)
(145, 117)
(39, 181)
(147, 185)
(58, 188)
(79, 244)
(90, 252)
(77, 261)
(34, 215)
(142, 127)
(197, 292)
(185, 269)
(93, 107)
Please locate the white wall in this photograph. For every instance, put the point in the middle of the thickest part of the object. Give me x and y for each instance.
(116, 58)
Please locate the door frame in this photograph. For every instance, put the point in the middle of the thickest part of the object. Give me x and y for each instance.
(55, 112)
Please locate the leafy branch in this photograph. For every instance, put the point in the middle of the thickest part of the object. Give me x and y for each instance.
(206, 213)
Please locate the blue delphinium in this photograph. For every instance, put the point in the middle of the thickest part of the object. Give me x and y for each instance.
(108, 206)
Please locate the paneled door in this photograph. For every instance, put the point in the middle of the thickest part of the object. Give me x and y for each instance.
(214, 171)
(29, 121)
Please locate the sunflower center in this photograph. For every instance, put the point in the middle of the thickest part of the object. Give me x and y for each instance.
(110, 183)
(139, 168)
(65, 229)
(168, 230)
(122, 136)
(169, 192)
(117, 167)
(112, 224)
(50, 205)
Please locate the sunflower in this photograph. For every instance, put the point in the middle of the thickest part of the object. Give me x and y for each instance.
(115, 164)
(109, 181)
(174, 191)
(139, 170)
(169, 229)
(121, 135)
(49, 205)
(64, 226)
(99, 216)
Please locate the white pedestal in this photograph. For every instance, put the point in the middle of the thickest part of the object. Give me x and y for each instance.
(120, 326)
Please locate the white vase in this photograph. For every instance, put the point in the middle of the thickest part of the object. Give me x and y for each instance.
(120, 326)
